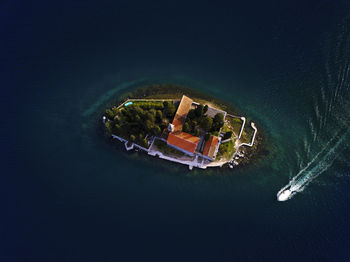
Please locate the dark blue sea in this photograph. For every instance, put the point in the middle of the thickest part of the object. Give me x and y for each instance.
(67, 194)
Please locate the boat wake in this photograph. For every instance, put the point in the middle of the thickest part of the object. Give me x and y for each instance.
(319, 164)
(329, 121)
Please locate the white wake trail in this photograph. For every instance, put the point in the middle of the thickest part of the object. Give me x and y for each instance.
(319, 164)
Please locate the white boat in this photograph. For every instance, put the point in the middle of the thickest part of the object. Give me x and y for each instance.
(284, 194)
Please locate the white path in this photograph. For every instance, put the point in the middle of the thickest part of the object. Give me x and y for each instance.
(252, 141)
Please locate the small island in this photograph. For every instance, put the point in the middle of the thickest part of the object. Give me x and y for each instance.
(191, 132)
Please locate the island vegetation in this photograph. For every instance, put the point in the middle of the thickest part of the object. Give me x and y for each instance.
(198, 121)
(139, 120)
(145, 122)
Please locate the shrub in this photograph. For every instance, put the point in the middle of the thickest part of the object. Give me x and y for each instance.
(141, 137)
(110, 115)
(150, 117)
(191, 114)
(159, 115)
(219, 118)
(115, 110)
(206, 123)
(186, 128)
(153, 111)
(156, 130)
(227, 135)
(146, 105)
(108, 127)
(196, 132)
(215, 133)
(218, 121)
(144, 143)
(148, 125)
(166, 104)
(116, 129)
(170, 110)
(199, 110)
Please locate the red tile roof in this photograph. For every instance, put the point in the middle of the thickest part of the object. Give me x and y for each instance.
(183, 140)
(181, 113)
(210, 146)
(178, 138)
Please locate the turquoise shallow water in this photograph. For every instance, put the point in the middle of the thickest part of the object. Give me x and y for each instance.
(70, 196)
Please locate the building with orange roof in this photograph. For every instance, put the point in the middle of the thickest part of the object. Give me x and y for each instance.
(185, 142)
(182, 141)
(181, 113)
(211, 148)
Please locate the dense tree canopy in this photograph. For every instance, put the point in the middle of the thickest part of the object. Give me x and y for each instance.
(227, 135)
(218, 122)
(134, 122)
(191, 114)
(206, 123)
(169, 109)
(199, 110)
(196, 119)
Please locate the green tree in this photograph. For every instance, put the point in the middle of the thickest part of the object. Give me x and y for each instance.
(205, 109)
(191, 114)
(159, 115)
(186, 128)
(196, 132)
(110, 115)
(108, 127)
(148, 125)
(193, 124)
(170, 110)
(215, 133)
(227, 135)
(115, 110)
(219, 118)
(144, 143)
(218, 121)
(116, 129)
(199, 110)
(156, 130)
(139, 110)
(141, 137)
(124, 112)
(206, 123)
(153, 112)
(132, 138)
(166, 104)
(150, 117)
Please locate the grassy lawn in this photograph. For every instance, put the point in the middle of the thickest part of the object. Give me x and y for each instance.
(226, 151)
(236, 124)
(226, 128)
(247, 134)
(138, 120)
